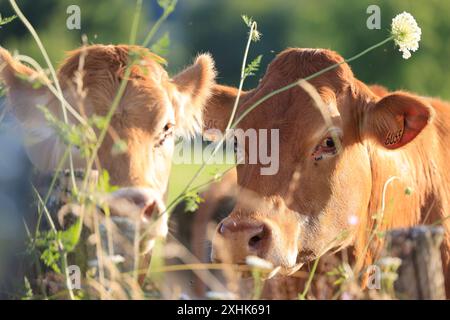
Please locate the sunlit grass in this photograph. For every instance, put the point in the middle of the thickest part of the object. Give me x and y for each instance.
(182, 173)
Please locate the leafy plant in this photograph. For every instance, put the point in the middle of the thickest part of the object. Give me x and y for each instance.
(28, 290)
(104, 183)
(161, 47)
(341, 272)
(253, 66)
(46, 242)
(168, 5)
(6, 20)
(2, 90)
(80, 136)
(192, 201)
(70, 237)
(50, 242)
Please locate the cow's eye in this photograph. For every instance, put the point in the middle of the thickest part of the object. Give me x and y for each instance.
(328, 143)
(326, 148)
(168, 127)
(167, 131)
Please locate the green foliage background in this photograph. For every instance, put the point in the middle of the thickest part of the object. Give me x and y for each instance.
(216, 26)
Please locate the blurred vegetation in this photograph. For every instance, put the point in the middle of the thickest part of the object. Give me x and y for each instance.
(101, 21)
(216, 26)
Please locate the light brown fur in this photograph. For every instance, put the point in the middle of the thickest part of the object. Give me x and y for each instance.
(308, 204)
(153, 110)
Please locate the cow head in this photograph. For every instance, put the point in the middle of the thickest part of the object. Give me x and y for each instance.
(153, 110)
(321, 193)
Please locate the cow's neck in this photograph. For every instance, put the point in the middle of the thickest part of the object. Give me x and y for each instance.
(419, 193)
(414, 177)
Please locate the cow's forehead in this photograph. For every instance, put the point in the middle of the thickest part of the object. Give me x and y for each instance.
(149, 109)
(103, 67)
(294, 109)
(297, 63)
(106, 65)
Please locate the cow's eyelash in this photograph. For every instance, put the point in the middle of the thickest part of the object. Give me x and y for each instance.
(167, 131)
(328, 147)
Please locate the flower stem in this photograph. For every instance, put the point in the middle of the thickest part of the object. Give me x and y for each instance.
(314, 75)
(233, 112)
(167, 11)
(134, 25)
(302, 296)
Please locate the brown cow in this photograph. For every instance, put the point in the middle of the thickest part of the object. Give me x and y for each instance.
(327, 192)
(153, 110)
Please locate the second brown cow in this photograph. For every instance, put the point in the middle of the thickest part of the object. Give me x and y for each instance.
(381, 162)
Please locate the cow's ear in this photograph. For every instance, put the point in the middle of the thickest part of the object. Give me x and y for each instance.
(11, 70)
(219, 108)
(396, 119)
(24, 88)
(194, 86)
(25, 91)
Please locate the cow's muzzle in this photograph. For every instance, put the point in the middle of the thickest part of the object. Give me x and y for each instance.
(143, 204)
(235, 240)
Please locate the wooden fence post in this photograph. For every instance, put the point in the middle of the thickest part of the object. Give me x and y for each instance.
(420, 275)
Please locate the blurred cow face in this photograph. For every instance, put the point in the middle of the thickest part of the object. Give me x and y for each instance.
(153, 110)
(324, 184)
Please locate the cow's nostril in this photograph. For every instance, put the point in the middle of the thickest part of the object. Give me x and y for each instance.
(149, 209)
(255, 241)
(221, 228)
(251, 234)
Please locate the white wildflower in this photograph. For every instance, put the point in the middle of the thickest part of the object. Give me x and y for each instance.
(406, 33)
(256, 35)
(259, 263)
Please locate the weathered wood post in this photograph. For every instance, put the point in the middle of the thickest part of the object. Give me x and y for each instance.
(420, 275)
